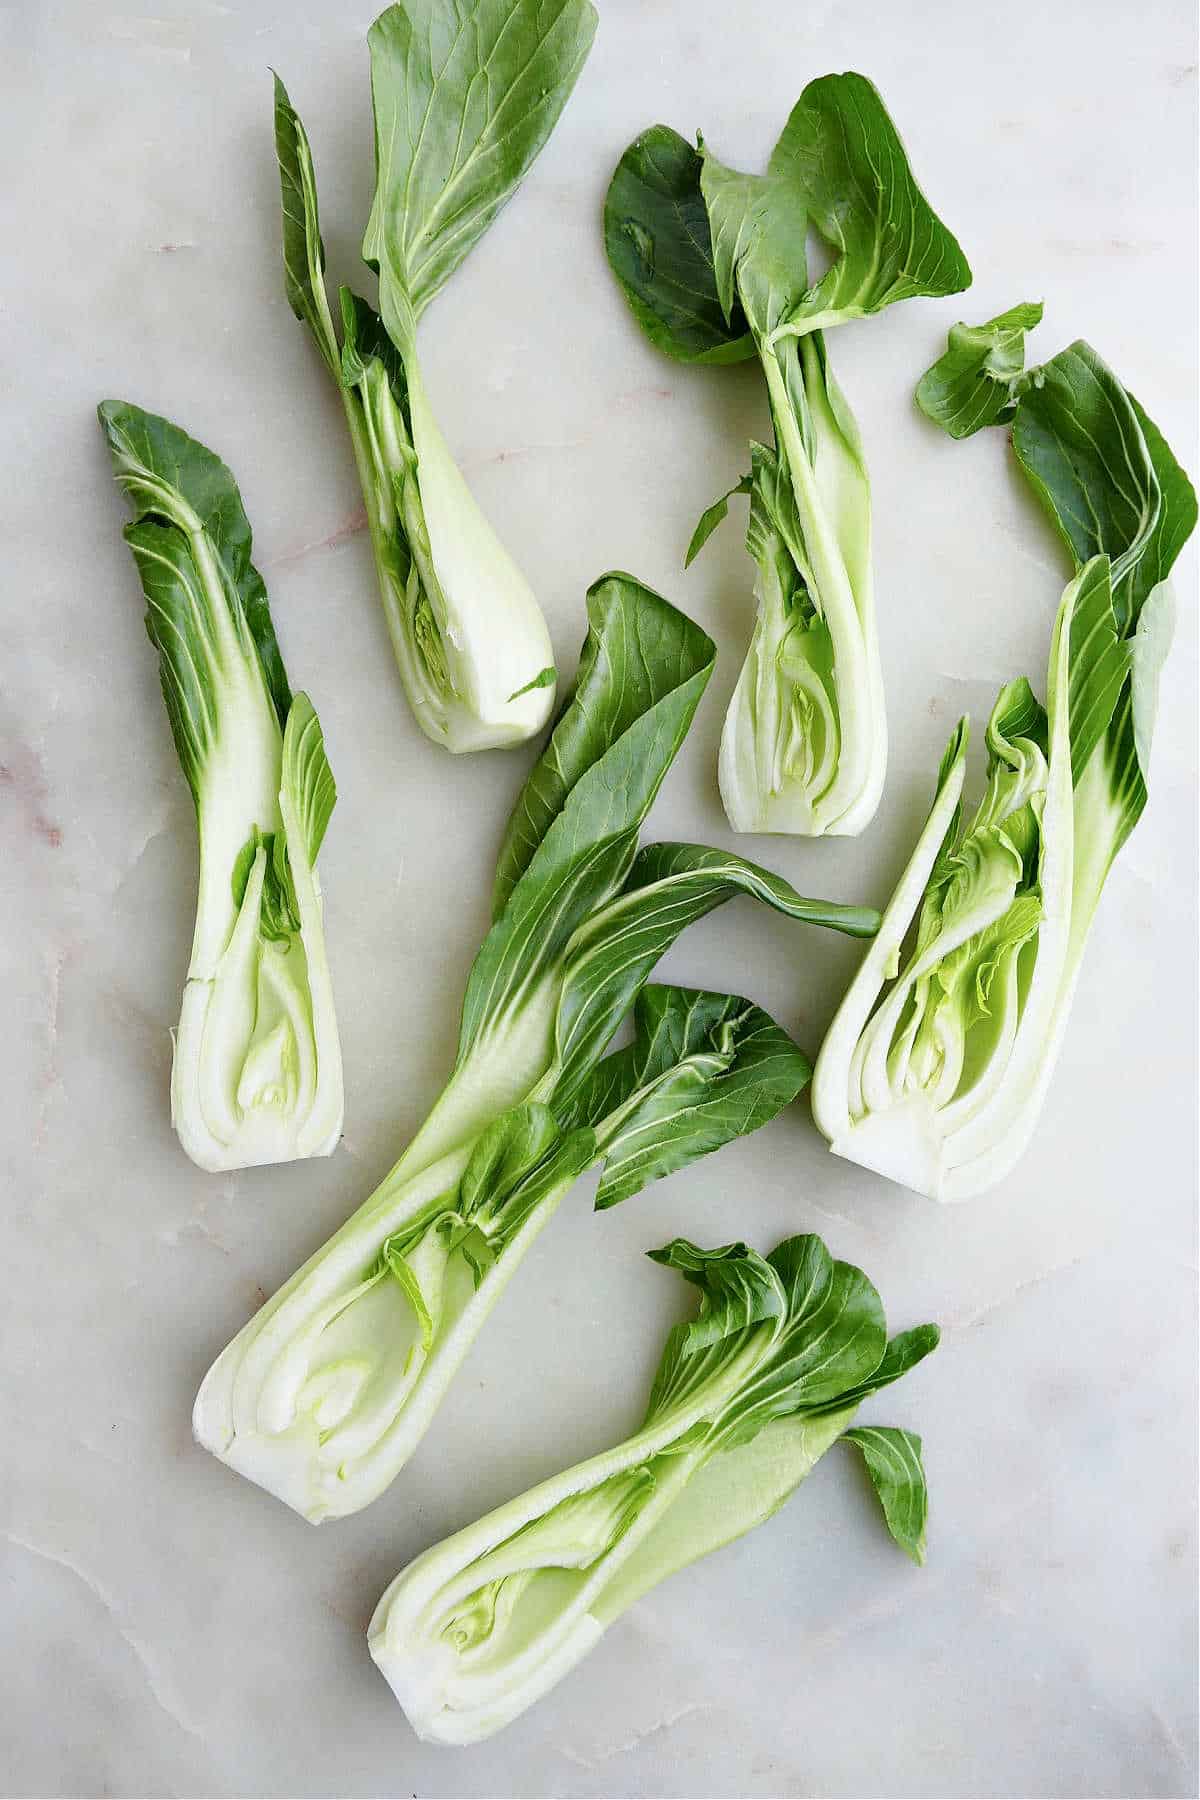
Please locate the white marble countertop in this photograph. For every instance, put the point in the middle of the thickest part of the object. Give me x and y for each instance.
(168, 1629)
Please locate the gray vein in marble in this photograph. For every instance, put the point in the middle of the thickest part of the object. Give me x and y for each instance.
(158, 1687)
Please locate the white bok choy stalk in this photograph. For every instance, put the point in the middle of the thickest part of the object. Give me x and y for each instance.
(257, 1069)
(936, 1065)
(714, 265)
(466, 93)
(325, 1393)
(748, 1396)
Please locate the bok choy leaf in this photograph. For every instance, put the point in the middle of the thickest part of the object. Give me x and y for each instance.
(465, 93)
(748, 1396)
(325, 1393)
(937, 1063)
(257, 1070)
(980, 378)
(714, 265)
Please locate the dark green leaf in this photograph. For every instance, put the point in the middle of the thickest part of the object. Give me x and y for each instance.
(759, 236)
(700, 878)
(582, 919)
(672, 1027)
(702, 1069)
(1176, 518)
(893, 1460)
(1080, 443)
(737, 1288)
(834, 1338)
(364, 341)
(903, 1353)
(840, 148)
(669, 887)
(714, 515)
(740, 1294)
(642, 670)
(1100, 466)
(977, 381)
(1114, 490)
(505, 1153)
(659, 245)
(802, 1330)
(191, 541)
(519, 1161)
(465, 94)
(303, 251)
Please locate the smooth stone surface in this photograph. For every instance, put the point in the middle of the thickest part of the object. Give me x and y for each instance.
(167, 1629)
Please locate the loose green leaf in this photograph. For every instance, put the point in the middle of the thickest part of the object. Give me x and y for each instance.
(979, 379)
(828, 1334)
(1110, 483)
(893, 1460)
(701, 878)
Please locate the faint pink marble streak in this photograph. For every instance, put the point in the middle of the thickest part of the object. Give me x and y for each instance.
(24, 773)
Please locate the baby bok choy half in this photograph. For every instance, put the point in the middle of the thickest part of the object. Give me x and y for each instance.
(326, 1392)
(936, 1065)
(466, 93)
(767, 1376)
(714, 265)
(257, 1069)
